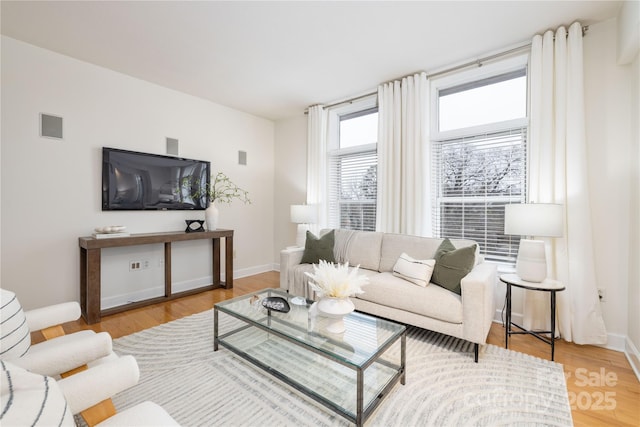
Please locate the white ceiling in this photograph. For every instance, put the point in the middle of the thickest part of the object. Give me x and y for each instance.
(274, 59)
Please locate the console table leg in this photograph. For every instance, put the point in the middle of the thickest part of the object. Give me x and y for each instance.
(167, 269)
(228, 264)
(90, 294)
(216, 262)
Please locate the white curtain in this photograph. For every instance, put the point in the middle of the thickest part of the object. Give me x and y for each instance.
(317, 164)
(558, 174)
(403, 157)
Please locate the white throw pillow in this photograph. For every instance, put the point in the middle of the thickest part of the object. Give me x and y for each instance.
(29, 399)
(414, 270)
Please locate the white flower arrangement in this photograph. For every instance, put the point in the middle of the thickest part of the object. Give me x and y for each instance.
(335, 280)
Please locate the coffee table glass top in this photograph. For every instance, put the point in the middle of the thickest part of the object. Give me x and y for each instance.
(364, 336)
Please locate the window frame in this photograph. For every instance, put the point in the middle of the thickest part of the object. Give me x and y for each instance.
(468, 76)
(438, 138)
(360, 107)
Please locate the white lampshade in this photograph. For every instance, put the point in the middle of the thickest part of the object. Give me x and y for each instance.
(303, 214)
(535, 219)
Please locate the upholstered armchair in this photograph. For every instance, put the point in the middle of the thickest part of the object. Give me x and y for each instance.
(60, 353)
(88, 371)
(37, 400)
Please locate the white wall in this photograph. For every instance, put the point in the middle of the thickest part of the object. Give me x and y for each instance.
(608, 98)
(633, 321)
(628, 50)
(290, 177)
(51, 189)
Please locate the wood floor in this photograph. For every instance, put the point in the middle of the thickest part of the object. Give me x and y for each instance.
(602, 388)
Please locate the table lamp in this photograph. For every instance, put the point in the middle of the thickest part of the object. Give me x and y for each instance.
(303, 215)
(534, 220)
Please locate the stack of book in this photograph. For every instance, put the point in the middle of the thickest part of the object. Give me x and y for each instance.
(110, 232)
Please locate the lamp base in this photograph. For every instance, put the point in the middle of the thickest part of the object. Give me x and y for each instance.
(531, 264)
(301, 236)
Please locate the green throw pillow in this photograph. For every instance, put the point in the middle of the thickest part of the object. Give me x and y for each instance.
(317, 248)
(452, 265)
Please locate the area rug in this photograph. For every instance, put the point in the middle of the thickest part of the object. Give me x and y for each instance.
(444, 387)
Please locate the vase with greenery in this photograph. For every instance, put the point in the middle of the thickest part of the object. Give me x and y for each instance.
(220, 189)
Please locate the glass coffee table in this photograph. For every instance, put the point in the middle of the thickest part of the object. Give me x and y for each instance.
(350, 373)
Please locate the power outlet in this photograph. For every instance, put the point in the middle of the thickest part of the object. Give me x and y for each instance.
(602, 295)
(135, 265)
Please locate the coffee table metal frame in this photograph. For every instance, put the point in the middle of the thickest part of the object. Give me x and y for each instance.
(362, 411)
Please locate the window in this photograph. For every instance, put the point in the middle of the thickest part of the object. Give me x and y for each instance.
(352, 163)
(479, 155)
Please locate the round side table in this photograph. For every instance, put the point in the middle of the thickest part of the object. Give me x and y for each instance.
(548, 285)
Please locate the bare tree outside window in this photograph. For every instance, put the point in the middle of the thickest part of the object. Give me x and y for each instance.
(353, 186)
(481, 167)
(358, 202)
(479, 176)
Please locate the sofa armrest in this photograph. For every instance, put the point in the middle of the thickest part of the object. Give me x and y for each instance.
(289, 258)
(478, 288)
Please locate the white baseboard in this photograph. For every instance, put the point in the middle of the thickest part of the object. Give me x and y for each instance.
(515, 317)
(633, 356)
(186, 285)
(253, 270)
(122, 299)
(615, 342)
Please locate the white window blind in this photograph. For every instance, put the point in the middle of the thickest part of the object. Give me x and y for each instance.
(353, 189)
(474, 178)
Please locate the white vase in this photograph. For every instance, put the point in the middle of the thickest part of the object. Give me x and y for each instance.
(335, 309)
(211, 216)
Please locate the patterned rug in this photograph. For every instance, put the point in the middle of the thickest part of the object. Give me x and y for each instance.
(444, 387)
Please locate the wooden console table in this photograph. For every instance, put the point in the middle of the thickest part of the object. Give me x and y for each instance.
(90, 265)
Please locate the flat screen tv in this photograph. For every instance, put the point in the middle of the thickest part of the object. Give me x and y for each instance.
(141, 181)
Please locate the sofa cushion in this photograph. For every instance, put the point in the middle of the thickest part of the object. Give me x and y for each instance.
(364, 249)
(393, 245)
(341, 245)
(432, 301)
(416, 271)
(452, 265)
(317, 248)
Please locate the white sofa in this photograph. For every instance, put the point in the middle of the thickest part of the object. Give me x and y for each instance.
(467, 316)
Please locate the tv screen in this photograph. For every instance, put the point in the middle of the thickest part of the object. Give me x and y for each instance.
(141, 181)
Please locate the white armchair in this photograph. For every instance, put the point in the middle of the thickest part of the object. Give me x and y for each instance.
(91, 373)
(33, 399)
(59, 353)
(88, 388)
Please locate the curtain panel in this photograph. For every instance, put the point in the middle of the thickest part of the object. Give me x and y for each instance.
(403, 157)
(317, 164)
(558, 174)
